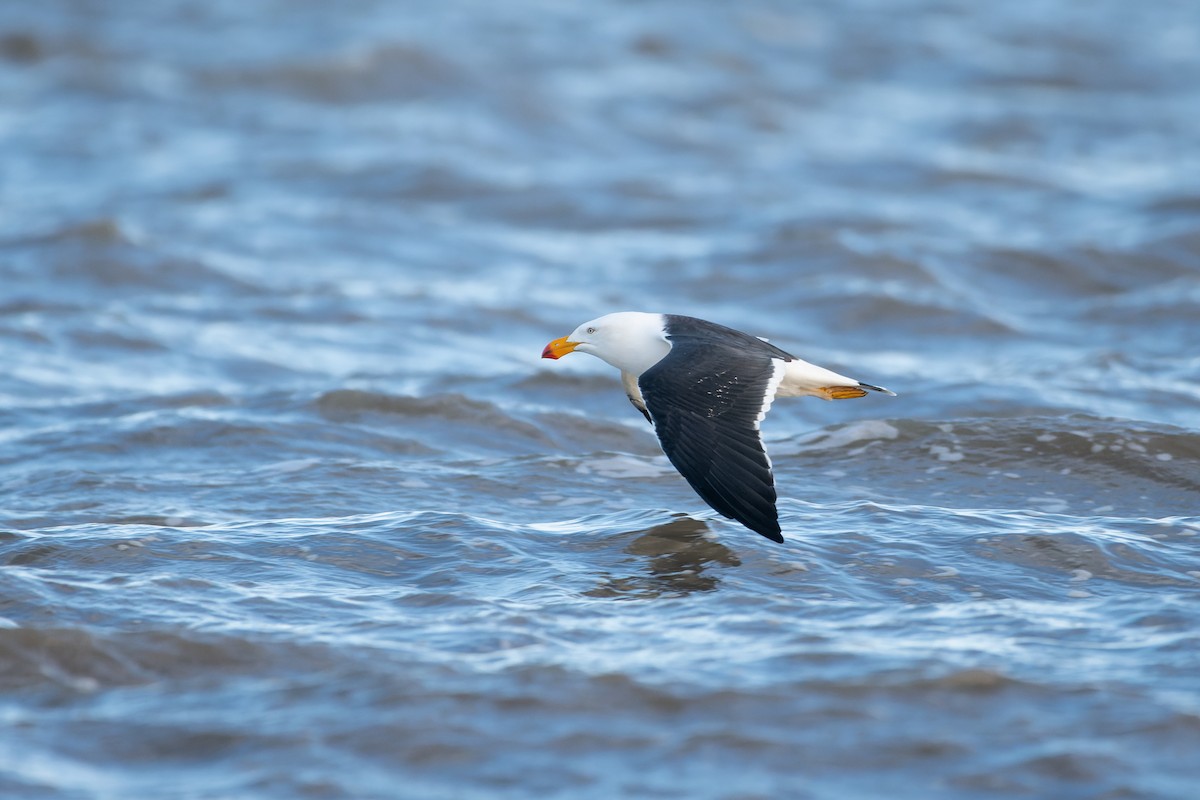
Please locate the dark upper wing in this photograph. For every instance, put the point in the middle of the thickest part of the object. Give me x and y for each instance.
(704, 398)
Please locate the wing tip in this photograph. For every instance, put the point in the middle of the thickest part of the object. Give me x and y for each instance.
(767, 528)
(775, 536)
(879, 389)
(848, 392)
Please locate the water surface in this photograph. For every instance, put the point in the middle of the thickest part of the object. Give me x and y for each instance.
(290, 507)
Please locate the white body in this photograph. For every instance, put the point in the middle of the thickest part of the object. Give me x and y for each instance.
(634, 341)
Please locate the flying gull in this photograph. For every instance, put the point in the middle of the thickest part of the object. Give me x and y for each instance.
(705, 388)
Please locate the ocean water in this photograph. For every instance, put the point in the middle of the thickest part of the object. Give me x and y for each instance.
(290, 507)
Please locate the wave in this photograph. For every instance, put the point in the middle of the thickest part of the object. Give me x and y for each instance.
(1077, 464)
(386, 72)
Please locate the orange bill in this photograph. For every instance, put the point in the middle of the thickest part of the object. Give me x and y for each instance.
(559, 348)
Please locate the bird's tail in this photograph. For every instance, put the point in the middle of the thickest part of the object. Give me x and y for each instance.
(802, 378)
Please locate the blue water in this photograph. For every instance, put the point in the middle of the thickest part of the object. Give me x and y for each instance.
(291, 507)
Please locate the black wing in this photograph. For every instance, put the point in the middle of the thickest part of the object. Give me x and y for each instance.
(705, 397)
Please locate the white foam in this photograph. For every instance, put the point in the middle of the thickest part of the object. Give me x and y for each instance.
(1049, 505)
(289, 466)
(862, 431)
(944, 453)
(414, 483)
(622, 466)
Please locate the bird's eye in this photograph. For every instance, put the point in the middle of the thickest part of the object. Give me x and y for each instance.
(591, 330)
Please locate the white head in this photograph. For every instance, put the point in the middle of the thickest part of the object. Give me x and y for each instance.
(631, 341)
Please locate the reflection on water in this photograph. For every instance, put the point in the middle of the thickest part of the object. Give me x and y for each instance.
(674, 557)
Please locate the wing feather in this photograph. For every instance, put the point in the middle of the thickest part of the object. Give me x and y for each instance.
(705, 398)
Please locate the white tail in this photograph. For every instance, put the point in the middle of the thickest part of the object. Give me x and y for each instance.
(802, 379)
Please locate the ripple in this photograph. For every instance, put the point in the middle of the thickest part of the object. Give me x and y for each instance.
(291, 503)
